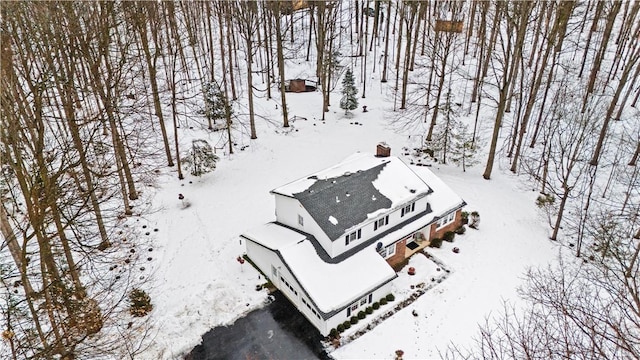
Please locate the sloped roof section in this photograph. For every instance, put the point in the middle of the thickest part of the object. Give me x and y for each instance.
(340, 203)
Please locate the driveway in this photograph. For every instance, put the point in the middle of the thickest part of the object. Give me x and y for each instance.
(277, 331)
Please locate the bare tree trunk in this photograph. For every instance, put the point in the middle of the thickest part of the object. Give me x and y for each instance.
(281, 64)
(594, 27)
(151, 66)
(634, 59)
(407, 56)
(611, 17)
(386, 45)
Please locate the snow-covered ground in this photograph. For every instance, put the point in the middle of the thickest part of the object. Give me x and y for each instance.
(198, 284)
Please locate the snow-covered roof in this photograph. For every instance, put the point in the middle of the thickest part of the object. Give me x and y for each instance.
(330, 286)
(443, 199)
(273, 236)
(333, 286)
(357, 189)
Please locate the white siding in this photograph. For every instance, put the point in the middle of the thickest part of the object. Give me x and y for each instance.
(367, 231)
(265, 259)
(341, 317)
(287, 211)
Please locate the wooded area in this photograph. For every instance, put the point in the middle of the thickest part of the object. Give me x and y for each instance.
(91, 93)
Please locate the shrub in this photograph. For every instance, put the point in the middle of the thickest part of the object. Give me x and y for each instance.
(375, 305)
(346, 324)
(448, 236)
(354, 320)
(390, 297)
(361, 315)
(435, 243)
(541, 201)
(475, 220)
(139, 303)
(383, 301)
(461, 230)
(333, 332)
(340, 328)
(368, 310)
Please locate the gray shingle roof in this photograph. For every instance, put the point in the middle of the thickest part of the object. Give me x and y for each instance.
(347, 198)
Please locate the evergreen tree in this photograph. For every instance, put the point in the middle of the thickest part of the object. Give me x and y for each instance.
(201, 158)
(216, 103)
(349, 100)
(464, 149)
(441, 144)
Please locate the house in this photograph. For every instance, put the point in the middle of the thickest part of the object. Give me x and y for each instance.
(339, 232)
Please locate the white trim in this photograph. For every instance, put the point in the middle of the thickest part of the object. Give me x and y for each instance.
(446, 220)
(388, 251)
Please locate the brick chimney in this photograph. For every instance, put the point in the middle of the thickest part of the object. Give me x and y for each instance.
(383, 150)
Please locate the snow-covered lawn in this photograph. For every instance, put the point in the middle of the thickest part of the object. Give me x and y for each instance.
(198, 284)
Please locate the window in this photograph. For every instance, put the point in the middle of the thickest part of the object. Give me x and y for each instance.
(353, 236)
(407, 209)
(363, 301)
(387, 252)
(300, 220)
(447, 219)
(380, 222)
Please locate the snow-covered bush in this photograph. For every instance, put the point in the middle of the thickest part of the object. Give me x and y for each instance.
(201, 158)
(474, 220)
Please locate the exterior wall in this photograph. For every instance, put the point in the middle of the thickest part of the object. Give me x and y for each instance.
(367, 231)
(341, 317)
(264, 260)
(398, 257)
(287, 211)
(436, 232)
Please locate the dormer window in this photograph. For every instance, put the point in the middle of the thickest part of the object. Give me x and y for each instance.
(352, 237)
(407, 209)
(381, 222)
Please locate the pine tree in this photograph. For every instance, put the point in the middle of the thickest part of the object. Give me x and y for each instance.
(201, 158)
(349, 91)
(216, 103)
(442, 143)
(464, 149)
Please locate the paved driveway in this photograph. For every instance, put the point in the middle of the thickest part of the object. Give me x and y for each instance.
(277, 331)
